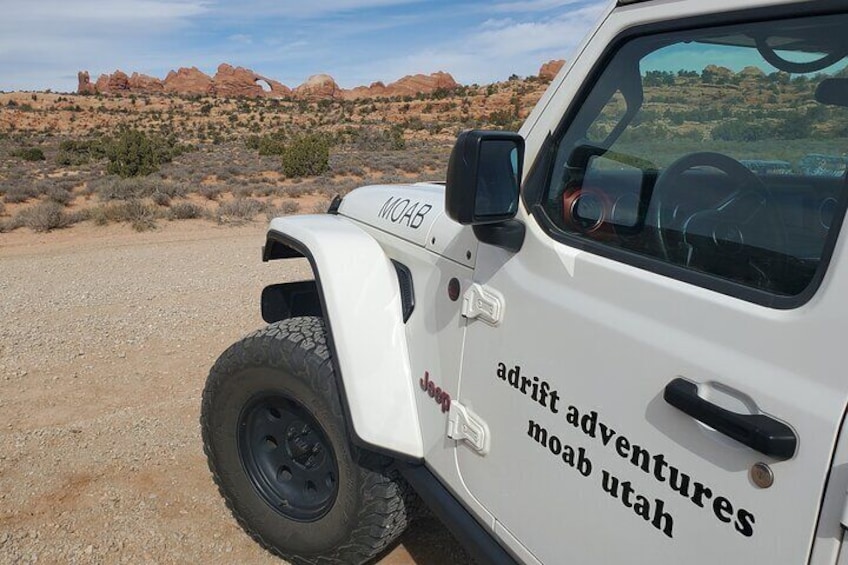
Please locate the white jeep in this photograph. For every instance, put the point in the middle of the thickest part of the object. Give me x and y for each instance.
(611, 338)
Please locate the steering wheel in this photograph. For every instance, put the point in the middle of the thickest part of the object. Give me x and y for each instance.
(714, 237)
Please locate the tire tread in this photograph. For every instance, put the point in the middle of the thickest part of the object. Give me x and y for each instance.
(299, 346)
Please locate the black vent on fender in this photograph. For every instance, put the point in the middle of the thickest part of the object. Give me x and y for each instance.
(407, 294)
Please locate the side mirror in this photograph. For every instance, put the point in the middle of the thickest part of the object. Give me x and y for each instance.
(484, 175)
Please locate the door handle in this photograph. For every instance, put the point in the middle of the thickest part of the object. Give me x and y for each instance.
(758, 431)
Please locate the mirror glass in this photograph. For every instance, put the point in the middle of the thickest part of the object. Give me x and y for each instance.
(497, 179)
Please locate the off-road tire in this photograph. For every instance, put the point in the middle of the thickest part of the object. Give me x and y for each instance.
(290, 360)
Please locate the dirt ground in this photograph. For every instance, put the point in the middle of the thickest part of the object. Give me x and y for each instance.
(105, 342)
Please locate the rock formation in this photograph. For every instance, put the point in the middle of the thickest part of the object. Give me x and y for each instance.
(550, 69)
(407, 86)
(232, 81)
(318, 87)
(376, 90)
(146, 84)
(84, 85)
(413, 84)
(188, 81)
(116, 82)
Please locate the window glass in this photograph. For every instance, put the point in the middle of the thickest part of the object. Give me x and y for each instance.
(721, 151)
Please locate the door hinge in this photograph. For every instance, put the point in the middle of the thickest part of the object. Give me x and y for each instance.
(483, 303)
(465, 425)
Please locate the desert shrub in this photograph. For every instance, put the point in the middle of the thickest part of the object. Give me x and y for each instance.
(320, 207)
(209, 191)
(140, 216)
(134, 153)
(272, 144)
(78, 216)
(17, 194)
(307, 155)
(242, 191)
(505, 119)
(265, 190)
(238, 210)
(296, 191)
(252, 142)
(75, 152)
(290, 207)
(161, 199)
(59, 195)
(43, 217)
(112, 188)
(7, 225)
(174, 189)
(285, 209)
(29, 154)
(375, 139)
(185, 211)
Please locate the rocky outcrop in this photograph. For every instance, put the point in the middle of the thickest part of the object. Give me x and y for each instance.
(115, 83)
(410, 85)
(234, 82)
(189, 81)
(146, 84)
(413, 84)
(550, 69)
(376, 90)
(318, 87)
(84, 85)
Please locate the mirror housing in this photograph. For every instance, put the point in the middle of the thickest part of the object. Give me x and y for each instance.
(484, 176)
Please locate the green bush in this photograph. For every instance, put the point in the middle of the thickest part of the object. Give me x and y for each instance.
(29, 154)
(133, 153)
(306, 155)
(75, 152)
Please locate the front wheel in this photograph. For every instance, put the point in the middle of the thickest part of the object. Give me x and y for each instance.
(276, 442)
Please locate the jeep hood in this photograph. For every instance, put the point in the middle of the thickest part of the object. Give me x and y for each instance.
(414, 213)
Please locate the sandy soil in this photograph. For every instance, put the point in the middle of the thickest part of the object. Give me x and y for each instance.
(106, 339)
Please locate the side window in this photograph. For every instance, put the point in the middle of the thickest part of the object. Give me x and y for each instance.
(719, 153)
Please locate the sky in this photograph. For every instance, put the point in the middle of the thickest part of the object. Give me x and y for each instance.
(43, 43)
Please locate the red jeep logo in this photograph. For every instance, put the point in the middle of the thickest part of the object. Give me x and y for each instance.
(436, 393)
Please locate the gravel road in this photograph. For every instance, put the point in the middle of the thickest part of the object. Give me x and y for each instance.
(106, 339)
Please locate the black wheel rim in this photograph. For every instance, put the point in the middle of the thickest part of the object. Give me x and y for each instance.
(287, 457)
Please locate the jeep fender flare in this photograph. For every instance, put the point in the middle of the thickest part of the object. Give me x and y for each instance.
(361, 304)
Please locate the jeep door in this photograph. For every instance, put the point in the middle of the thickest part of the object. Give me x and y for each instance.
(664, 384)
